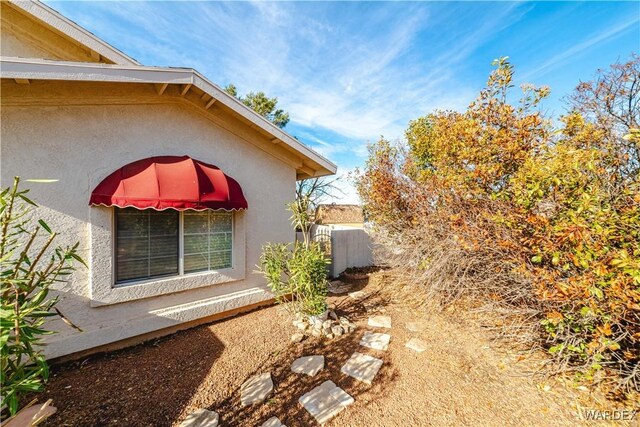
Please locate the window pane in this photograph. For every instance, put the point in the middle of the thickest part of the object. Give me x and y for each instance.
(220, 241)
(207, 240)
(196, 262)
(146, 243)
(220, 221)
(220, 260)
(196, 222)
(128, 270)
(163, 266)
(196, 243)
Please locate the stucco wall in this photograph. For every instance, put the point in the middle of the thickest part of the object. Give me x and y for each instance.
(25, 37)
(79, 145)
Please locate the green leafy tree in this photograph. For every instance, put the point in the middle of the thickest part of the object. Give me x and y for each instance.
(261, 104)
(29, 266)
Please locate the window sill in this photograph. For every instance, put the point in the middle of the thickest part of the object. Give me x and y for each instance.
(164, 285)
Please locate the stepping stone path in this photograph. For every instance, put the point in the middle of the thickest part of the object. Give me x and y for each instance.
(256, 389)
(375, 340)
(380, 321)
(416, 344)
(201, 418)
(273, 422)
(309, 365)
(325, 401)
(362, 367)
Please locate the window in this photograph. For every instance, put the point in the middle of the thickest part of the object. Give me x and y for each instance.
(207, 240)
(153, 243)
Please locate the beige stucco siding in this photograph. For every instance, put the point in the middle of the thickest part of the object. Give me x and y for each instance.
(79, 145)
(24, 36)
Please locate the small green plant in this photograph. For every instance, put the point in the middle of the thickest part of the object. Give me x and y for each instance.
(297, 273)
(29, 266)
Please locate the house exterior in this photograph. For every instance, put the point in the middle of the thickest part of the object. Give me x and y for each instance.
(170, 185)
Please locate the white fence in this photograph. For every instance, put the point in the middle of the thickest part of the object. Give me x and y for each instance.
(349, 246)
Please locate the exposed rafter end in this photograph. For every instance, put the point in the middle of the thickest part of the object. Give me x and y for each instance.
(307, 170)
(210, 103)
(275, 140)
(22, 81)
(185, 89)
(205, 96)
(95, 55)
(161, 87)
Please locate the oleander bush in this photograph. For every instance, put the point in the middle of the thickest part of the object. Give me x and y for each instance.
(535, 220)
(297, 273)
(30, 265)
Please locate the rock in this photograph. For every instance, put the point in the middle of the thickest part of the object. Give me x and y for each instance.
(273, 422)
(333, 315)
(316, 332)
(295, 338)
(302, 325)
(201, 418)
(317, 324)
(329, 336)
(362, 367)
(344, 320)
(325, 401)
(351, 327)
(256, 389)
(309, 365)
(380, 321)
(326, 324)
(357, 294)
(337, 330)
(416, 344)
(375, 340)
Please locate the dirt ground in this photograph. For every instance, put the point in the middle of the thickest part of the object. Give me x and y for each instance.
(462, 379)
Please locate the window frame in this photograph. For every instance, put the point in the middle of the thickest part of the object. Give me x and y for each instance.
(180, 239)
(103, 289)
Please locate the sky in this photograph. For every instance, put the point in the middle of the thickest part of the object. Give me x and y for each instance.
(350, 72)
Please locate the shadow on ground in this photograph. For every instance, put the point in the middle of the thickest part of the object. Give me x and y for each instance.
(289, 387)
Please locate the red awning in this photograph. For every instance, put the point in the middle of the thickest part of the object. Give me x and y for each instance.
(169, 182)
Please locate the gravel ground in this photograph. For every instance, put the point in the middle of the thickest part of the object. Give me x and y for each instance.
(461, 379)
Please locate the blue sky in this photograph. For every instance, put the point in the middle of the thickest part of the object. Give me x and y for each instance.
(349, 72)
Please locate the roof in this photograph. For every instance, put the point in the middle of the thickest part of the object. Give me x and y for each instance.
(73, 31)
(188, 79)
(125, 69)
(339, 214)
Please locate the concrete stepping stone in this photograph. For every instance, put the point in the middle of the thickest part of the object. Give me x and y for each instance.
(309, 365)
(273, 422)
(362, 367)
(416, 326)
(357, 294)
(375, 340)
(416, 344)
(256, 389)
(201, 418)
(380, 321)
(325, 401)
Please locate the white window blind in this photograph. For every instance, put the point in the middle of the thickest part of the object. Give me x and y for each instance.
(146, 243)
(207, 240)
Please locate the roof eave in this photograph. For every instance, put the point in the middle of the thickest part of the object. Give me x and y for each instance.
(40, 69)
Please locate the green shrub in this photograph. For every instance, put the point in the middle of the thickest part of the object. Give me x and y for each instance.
(29, 266)
(298, 273)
